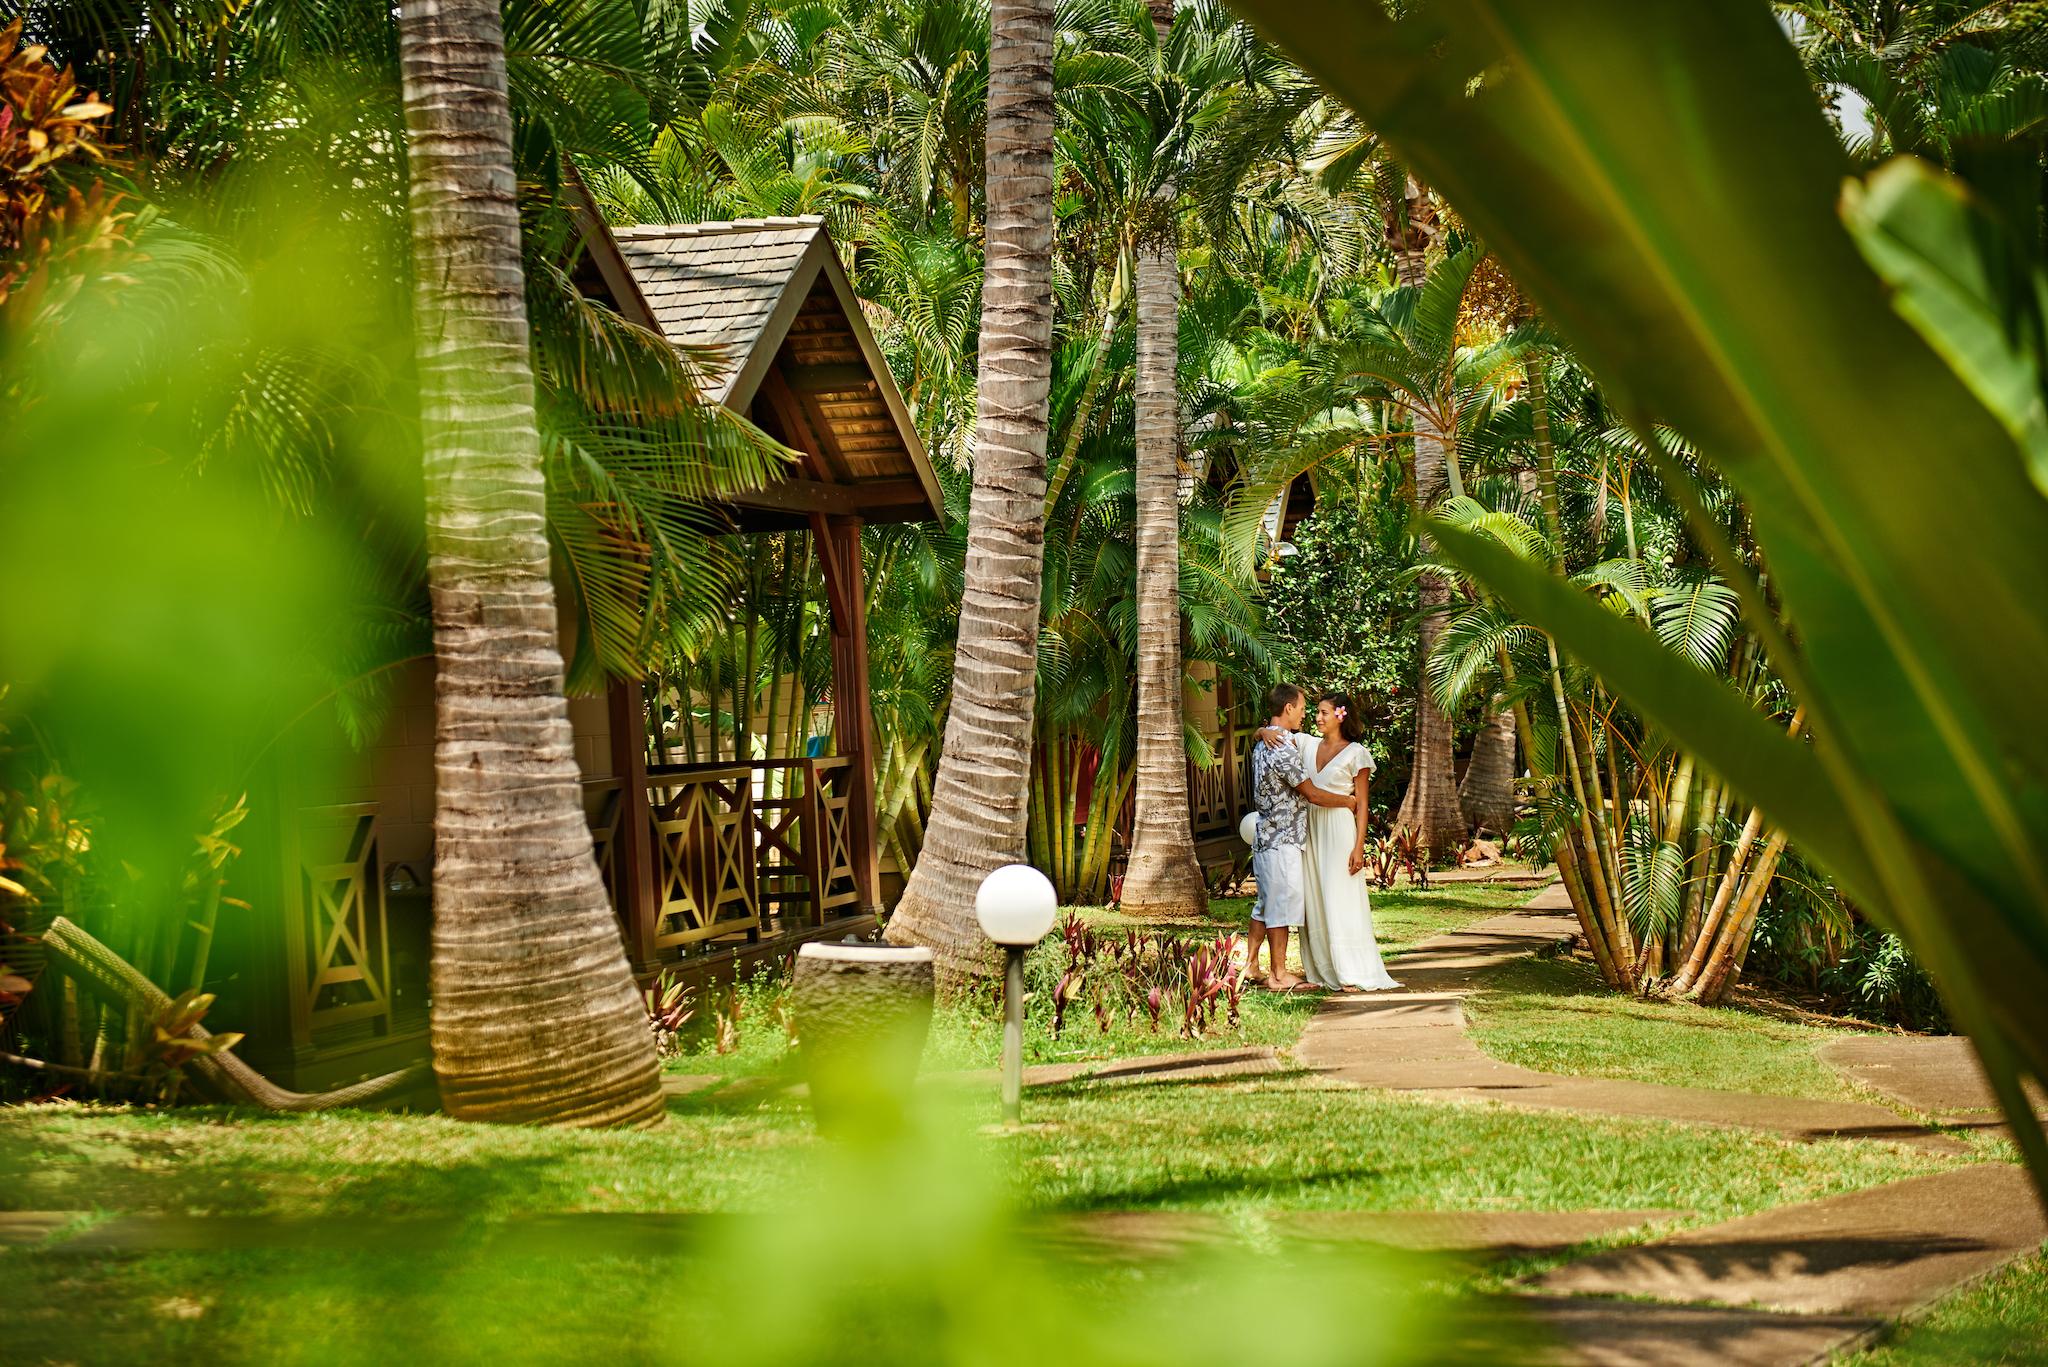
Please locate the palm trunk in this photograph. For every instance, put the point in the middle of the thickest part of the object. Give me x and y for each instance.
(1091, 393)
(1595, 893)
(536, 1017)
(1729, 922)
(1430, 806)
(1163, 877)
(1488, 792)
(981, 796)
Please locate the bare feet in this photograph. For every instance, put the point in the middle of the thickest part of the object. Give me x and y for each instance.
(1283, 982)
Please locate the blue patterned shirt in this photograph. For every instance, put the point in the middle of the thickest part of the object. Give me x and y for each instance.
(1283, 812)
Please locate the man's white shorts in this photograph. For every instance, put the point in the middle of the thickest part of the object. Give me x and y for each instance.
(1282, 902)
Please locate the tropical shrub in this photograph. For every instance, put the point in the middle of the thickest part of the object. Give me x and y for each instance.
(1660, 181)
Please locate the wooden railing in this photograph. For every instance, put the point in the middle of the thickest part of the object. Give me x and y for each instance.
(1216, 796)
(703, 839)
(743, 849)
(335, 931)
(803, 837)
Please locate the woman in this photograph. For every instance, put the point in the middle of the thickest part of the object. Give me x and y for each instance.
(1338, 949)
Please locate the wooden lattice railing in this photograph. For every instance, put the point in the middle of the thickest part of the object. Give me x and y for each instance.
(750, 848)
(335, 932)
(703, 838)
(805, 847)
(1216, 799)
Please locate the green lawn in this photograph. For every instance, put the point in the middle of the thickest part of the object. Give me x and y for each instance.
(1292, 1142)
(1554, 1015)
(969, 1035)
(2003, 1319)
(893, 1255)
(884, 1246)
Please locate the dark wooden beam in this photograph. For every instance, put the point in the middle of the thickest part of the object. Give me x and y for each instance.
(853, 719)
(804, 427)
(639, 917)
(817, 496)
(830, 379)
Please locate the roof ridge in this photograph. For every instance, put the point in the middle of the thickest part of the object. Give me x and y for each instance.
(641, 232)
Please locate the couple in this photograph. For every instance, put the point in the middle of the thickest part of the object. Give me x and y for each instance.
(1310, 865)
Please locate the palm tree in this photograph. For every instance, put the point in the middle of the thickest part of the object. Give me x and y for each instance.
(981, 796)
(1401, 355)
(1164, 876)
(536, 1017)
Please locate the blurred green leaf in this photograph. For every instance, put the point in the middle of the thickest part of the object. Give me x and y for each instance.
(1922, 232)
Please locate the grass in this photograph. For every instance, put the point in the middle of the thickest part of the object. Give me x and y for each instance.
(1555, 1016)
(1286, 1143)
(1252, 1150)
(1300, 1143)
(2003, 1319)
(474, 1288)
(969, 1035)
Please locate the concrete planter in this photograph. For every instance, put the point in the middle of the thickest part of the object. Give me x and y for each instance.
(862, 1015)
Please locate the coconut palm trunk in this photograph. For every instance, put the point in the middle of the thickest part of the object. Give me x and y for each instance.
(1487, 793)
(536, 1017)
(1430, 807)
(981, 798)
(1163, 877)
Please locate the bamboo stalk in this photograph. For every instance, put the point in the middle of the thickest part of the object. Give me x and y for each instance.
(1731, 881)
(1720, 972)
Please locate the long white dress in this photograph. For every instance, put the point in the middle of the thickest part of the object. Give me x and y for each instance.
(1338, 948)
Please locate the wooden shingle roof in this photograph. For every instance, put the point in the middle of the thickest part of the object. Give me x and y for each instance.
(717, 284)
(797, 356)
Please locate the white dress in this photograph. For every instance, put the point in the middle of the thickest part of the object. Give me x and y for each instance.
(1338, 948)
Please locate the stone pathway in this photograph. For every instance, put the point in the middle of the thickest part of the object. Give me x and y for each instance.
(1591, 1333)
(1465, 1234)
(1933, 1073)
(1787, 1286)
(1415, 1041)
(1884, 1251)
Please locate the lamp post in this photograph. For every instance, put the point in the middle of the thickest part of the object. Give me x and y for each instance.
(1015, 906)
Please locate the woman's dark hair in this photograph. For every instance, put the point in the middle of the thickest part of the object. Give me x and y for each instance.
(1280, 697)
(1352, 725)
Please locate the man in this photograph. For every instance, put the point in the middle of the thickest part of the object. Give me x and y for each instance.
(1282, 791)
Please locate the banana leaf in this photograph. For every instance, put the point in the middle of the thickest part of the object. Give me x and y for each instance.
(1657, 175)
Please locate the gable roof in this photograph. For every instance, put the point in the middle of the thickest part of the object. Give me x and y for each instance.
(798, 354)
(717, 284)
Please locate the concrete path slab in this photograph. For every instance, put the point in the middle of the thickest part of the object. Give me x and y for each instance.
(1470, 1234)
(1416, 1041)
(1485, 1233)
(27, 1228)
(596, 1233)
(1936, 1073)
(1592, 1333)
(1885, 1251)
(1513, 875)
(1198, 1066)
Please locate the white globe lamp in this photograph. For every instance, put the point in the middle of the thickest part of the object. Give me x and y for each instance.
(1248, 829)
(1015, 905)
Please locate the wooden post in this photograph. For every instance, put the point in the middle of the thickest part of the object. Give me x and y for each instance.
(1226, 708)
(813, 841)
(853, 718)
(639, 916)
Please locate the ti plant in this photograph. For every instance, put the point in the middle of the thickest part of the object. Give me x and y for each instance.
(668, 1011)
(169, 1046)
